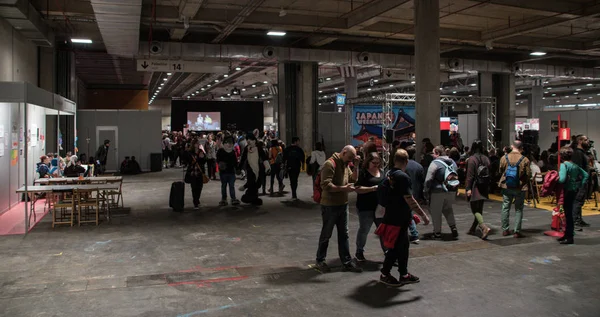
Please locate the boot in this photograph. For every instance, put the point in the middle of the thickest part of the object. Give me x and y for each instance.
(472, 231)
(485, 231)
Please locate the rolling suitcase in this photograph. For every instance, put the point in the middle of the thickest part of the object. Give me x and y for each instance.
(176, 196)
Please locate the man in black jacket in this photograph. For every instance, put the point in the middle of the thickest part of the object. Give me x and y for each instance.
(102, 156)
(580, 158)
(293, 158)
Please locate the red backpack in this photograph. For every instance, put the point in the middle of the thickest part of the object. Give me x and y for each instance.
(317, 190)
(550, 182)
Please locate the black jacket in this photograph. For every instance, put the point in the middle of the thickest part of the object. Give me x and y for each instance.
(102, 154)
(294, 157)
(580, 158)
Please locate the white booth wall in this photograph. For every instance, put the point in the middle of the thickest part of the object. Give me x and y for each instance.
(137, 133)
(12, 139)
(468, 127)
(579, 121)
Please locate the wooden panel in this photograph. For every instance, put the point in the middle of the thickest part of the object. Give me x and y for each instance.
(116, 99)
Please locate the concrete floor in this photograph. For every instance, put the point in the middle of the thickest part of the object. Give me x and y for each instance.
(254, 262)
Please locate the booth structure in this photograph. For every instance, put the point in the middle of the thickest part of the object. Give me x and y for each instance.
(393, 113)
(25, 111)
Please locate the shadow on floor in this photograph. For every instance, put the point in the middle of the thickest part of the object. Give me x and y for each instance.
(377, 295)
(299, 276)
(300, 204)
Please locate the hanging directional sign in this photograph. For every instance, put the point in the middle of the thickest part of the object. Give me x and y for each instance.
(554, 125)
(159, 65)
(387, 73)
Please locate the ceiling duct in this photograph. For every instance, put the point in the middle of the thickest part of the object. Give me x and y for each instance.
(119, 24)
(27, 21)
(221, 52)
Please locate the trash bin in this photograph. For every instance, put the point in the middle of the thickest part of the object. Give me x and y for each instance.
(155, 162)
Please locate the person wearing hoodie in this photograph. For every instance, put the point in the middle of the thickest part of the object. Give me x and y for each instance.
(42, 167)
(441, 195)
(227, 162)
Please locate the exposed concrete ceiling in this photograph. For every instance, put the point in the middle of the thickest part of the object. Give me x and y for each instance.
(504, 30)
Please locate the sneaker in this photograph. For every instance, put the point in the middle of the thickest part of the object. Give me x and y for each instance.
(454, 232)
(437, 236)
(389, 280)
(235, 202)
(352, 267)
(223, 203)
(322, 267)
(415, 239)
(518, 235)
(360, 257)
(196, 207)
(409, 279)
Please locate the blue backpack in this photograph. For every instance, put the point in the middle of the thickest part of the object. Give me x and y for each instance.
(512, 177)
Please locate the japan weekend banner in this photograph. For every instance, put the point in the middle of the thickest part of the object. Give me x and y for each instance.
(366, 121)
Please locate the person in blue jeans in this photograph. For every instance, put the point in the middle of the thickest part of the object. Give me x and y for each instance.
(227, 163)
(366, 187)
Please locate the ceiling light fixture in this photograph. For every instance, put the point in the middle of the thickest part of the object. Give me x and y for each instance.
(576, 93)
(168, 74)
(265, 82)
(255, 97)
(216, 80)
(413, 82)
(81, 41)
(243, 89)
(368, 88)
(553, 95)
(207, 85)
(165, 79)
(253, 86)
(537, 53)
(549, 88)
(320, 91)
(276, 33)
(228, 94)
(238, 68)
(202, 88)
(376, 80)
(162, 84)
(454, 92)
(391, 85)
(328, 78)
(225, 75)
(335, 88)
(473, 85)
(263, 95)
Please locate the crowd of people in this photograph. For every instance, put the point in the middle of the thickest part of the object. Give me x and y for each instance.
(229, 155)
(392, 197)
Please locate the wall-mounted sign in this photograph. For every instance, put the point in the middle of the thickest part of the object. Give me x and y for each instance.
(564, 134)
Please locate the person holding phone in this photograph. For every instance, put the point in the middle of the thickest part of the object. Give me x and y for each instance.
(337, 181)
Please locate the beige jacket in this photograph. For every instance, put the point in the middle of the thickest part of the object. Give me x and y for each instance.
(340, 175)
(524, 169)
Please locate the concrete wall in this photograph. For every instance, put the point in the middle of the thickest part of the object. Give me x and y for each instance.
(139, 133)
(18, 56)
(580, 122)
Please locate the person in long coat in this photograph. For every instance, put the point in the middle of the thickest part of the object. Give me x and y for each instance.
(477, 192)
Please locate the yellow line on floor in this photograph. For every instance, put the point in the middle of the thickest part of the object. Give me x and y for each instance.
(589, 209)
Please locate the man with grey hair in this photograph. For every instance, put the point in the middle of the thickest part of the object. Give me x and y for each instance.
(337, 180)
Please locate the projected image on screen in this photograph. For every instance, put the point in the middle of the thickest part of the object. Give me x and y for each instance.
(204, 121)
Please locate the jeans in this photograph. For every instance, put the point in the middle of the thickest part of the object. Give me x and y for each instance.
(569, 205)
(412, 228)
(441, 203)
(294, 174)
(196, 191)
(509, 196)
(399, 253)
(366, 218)
(477, 210)
(211, 168)
(227, 179)
(275, 169)
(579, 201)
(334, 216)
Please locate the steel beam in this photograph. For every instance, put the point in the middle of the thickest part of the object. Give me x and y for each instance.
(371, 10)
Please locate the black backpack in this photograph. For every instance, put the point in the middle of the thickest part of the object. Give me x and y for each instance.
(482, 174)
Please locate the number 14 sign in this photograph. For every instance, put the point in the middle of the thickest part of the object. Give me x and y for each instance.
(159, 65)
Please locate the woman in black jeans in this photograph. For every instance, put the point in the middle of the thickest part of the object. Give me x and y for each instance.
(477, 193)
(366, 187)
(195, 171)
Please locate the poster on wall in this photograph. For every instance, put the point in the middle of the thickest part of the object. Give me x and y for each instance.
(367, 122)
(14, 157)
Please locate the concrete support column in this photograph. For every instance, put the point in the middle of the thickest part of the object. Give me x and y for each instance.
(427, 72)
(535, 100)
(297, 109)
(306, 123)
(485, 84)
(351, 87)
(504, 91)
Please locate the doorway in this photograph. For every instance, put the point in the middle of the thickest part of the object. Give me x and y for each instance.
(109, 133)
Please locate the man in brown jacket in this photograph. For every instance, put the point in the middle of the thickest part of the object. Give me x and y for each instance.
(337, 180)
(516, 173)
